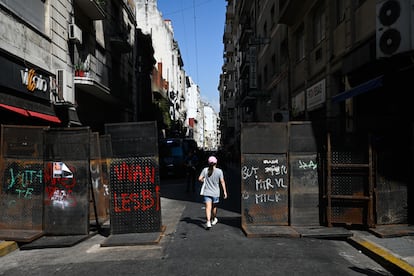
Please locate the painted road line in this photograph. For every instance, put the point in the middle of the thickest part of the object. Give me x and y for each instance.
(6, 247)
(384, 254)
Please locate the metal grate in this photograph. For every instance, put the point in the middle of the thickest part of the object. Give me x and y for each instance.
(134, 192)
(21, 195)
(347, 157)
(22, 142)
(349, 184)
(265, 185)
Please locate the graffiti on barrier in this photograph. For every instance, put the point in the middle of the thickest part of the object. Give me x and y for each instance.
(60, 183)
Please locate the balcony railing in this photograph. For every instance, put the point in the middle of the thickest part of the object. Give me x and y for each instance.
(92, 8)
(92, 77)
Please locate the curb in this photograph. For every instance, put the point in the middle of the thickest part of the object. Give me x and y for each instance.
(6, 247)
(384, 257)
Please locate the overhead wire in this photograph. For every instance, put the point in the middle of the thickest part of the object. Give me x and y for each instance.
(184, 30)
(195, 40)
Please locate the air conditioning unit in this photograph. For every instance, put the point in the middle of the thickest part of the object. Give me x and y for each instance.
(75, 33)
(60, 84)
(393, 27)
(280, 116)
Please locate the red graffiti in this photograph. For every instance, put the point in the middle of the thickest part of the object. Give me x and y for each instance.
(59, 191)
(128, 202)
(131, 172)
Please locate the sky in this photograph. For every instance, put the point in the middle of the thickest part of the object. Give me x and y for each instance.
(198, 28)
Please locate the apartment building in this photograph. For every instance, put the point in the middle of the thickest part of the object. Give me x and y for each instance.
(345, 66)
(67, 63)
(29, 59)
(169, 90)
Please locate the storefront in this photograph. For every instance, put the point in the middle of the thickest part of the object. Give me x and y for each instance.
(26, 94)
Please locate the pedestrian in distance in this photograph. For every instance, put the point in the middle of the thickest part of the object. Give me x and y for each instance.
(212, 177)
(191, 164)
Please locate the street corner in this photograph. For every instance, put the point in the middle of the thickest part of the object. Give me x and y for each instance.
(6, 247)
(382, 255)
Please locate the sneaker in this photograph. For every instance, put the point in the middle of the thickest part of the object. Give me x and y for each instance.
(214, 222)
(208, 225)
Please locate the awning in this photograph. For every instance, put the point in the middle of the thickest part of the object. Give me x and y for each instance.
(45, 117)
(21, 111)
(357, 90)
(29, 113)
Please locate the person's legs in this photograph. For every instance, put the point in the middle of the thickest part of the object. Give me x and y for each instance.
(214, 211)
(209, 203)
(214, 219)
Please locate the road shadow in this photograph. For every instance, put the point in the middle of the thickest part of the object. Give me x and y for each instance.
(200, 222)
(176, 188)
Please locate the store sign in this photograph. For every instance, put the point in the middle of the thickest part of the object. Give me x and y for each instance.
(34, 81)
(21, 80)
(315, 95)
(298, 103)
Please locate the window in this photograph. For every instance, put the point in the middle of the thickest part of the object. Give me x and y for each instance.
(259, 81)
(272, 15)
(359, 3)
(265, 30)
(300, 43)
(319, 26)
(34, 12)
(231, 113)
(273, 64)
(340, 11)
(284, 53)
(282, 4)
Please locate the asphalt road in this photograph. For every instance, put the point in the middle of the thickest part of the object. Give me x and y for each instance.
(188, 249)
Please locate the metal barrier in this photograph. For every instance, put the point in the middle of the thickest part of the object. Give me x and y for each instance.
(279, 176)
(134, 178)
(99, 202)
(67, 178)
(21, 178)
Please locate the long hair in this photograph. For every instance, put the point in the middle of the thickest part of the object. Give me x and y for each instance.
(210, 169)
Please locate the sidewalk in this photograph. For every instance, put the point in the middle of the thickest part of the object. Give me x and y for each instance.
(394, 253)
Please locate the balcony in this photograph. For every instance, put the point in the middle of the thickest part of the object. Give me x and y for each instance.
(292, 9)
(251, 95)
(230, 67)
(91, 8)
(229, 48)
(229, 11)
(229, 86)
(92, 77)
(121, 40)
(245, 37)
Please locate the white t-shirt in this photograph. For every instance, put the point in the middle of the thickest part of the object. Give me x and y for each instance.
(212, 182)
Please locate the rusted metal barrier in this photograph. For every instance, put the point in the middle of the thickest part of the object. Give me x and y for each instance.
(67, 181)
(21, 178)
(134, 178)
(279, 176)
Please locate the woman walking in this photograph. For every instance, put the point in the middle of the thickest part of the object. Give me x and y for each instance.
(212, 177)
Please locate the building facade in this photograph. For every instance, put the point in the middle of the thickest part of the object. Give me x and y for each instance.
(345, 67)
(175, 94)
(69, 63)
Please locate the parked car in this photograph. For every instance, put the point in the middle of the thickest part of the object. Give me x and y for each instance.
(172, 153)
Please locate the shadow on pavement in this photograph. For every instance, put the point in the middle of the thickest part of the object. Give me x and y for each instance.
(175, 188)
(199, 222)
